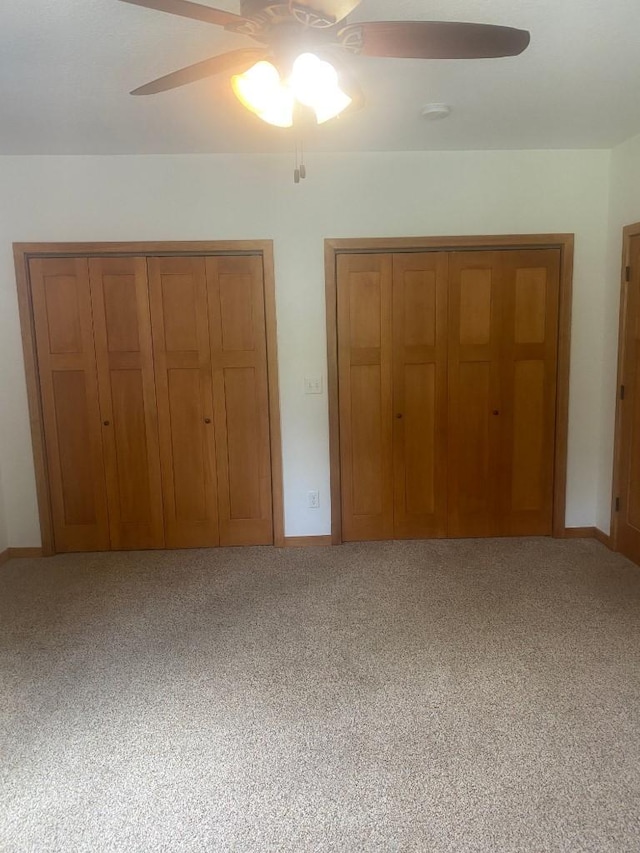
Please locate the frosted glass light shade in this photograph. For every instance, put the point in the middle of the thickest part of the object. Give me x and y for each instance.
(260, 90)
(313, 83)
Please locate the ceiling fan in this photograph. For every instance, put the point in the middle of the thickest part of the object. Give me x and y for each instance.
(298, 62)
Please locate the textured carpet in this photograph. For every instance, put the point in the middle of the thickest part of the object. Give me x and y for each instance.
(431, 696)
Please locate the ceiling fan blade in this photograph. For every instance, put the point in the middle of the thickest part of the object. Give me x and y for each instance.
(233, 61)
(434, 40)
(186, 9)
(332, 10)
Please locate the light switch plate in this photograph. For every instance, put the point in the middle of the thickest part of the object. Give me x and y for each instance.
(313, 385)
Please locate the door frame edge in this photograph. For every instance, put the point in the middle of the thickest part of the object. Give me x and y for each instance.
(24, 252)
(565, 242)
(628, 232)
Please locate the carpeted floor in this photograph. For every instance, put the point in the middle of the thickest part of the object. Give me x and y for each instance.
(424, 696)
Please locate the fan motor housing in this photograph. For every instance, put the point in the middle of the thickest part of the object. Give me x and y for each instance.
(266, 14)
(256, 8)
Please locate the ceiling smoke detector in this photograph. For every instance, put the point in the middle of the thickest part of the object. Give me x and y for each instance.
(436, 112)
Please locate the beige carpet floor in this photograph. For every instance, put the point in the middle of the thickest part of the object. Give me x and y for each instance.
(431, 696)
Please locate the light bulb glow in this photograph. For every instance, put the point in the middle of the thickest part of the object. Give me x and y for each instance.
(261, 91)
(313, 82)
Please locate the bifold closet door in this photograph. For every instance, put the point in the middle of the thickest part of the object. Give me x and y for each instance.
(392, 367)
(503, 350)
(365, 352)
(529, 358)
(474, 424)
(420, 394)
(70, 405)
(182, 355)
(447, 373)
(124, 354)
(237, 328)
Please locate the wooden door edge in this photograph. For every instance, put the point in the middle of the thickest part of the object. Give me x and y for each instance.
(23, 252)
(628, 232)
(564, 242)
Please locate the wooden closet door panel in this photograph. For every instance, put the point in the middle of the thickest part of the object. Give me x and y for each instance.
(71, 413)
(235, 287)
(531, 286)
(182, 358)
(364, 285)
(474, 393)
(122, 328)
(420, 394)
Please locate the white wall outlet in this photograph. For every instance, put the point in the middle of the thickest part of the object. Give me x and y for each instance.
(313, 500)
(313, 385)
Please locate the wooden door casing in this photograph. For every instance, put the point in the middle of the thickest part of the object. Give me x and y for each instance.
(182, 360)
(236, 310)
(420, 394)
(70, 405)
(366, 400)
(126, 383)
(627, 521)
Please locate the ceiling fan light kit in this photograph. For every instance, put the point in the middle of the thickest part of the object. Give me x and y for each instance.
(299, 34)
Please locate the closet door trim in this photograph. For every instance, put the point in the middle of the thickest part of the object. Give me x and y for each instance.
(563, 242)
(24, 252)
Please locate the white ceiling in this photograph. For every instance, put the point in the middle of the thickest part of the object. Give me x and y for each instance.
(66, 67)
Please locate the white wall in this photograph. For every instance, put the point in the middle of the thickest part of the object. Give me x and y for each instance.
(624, 209)
(233, 197)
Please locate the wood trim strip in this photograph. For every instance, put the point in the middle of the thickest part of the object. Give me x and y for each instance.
(36, 417)
(19, 553)
(331, 297)
(168, 247)
(25, 553)
(564, 242)
(277, 483)
(579, 533)
(628, 232)
(441, 244)
(588, 533)
(603, 538)
(307, 541)
(566, 245)
(22, 253)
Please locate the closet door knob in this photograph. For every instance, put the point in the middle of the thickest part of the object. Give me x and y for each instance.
(207, 420)
(496, 412)
(106, 423)
(399, 417)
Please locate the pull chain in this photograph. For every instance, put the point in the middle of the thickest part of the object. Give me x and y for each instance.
(303, 168)
(300, 171)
